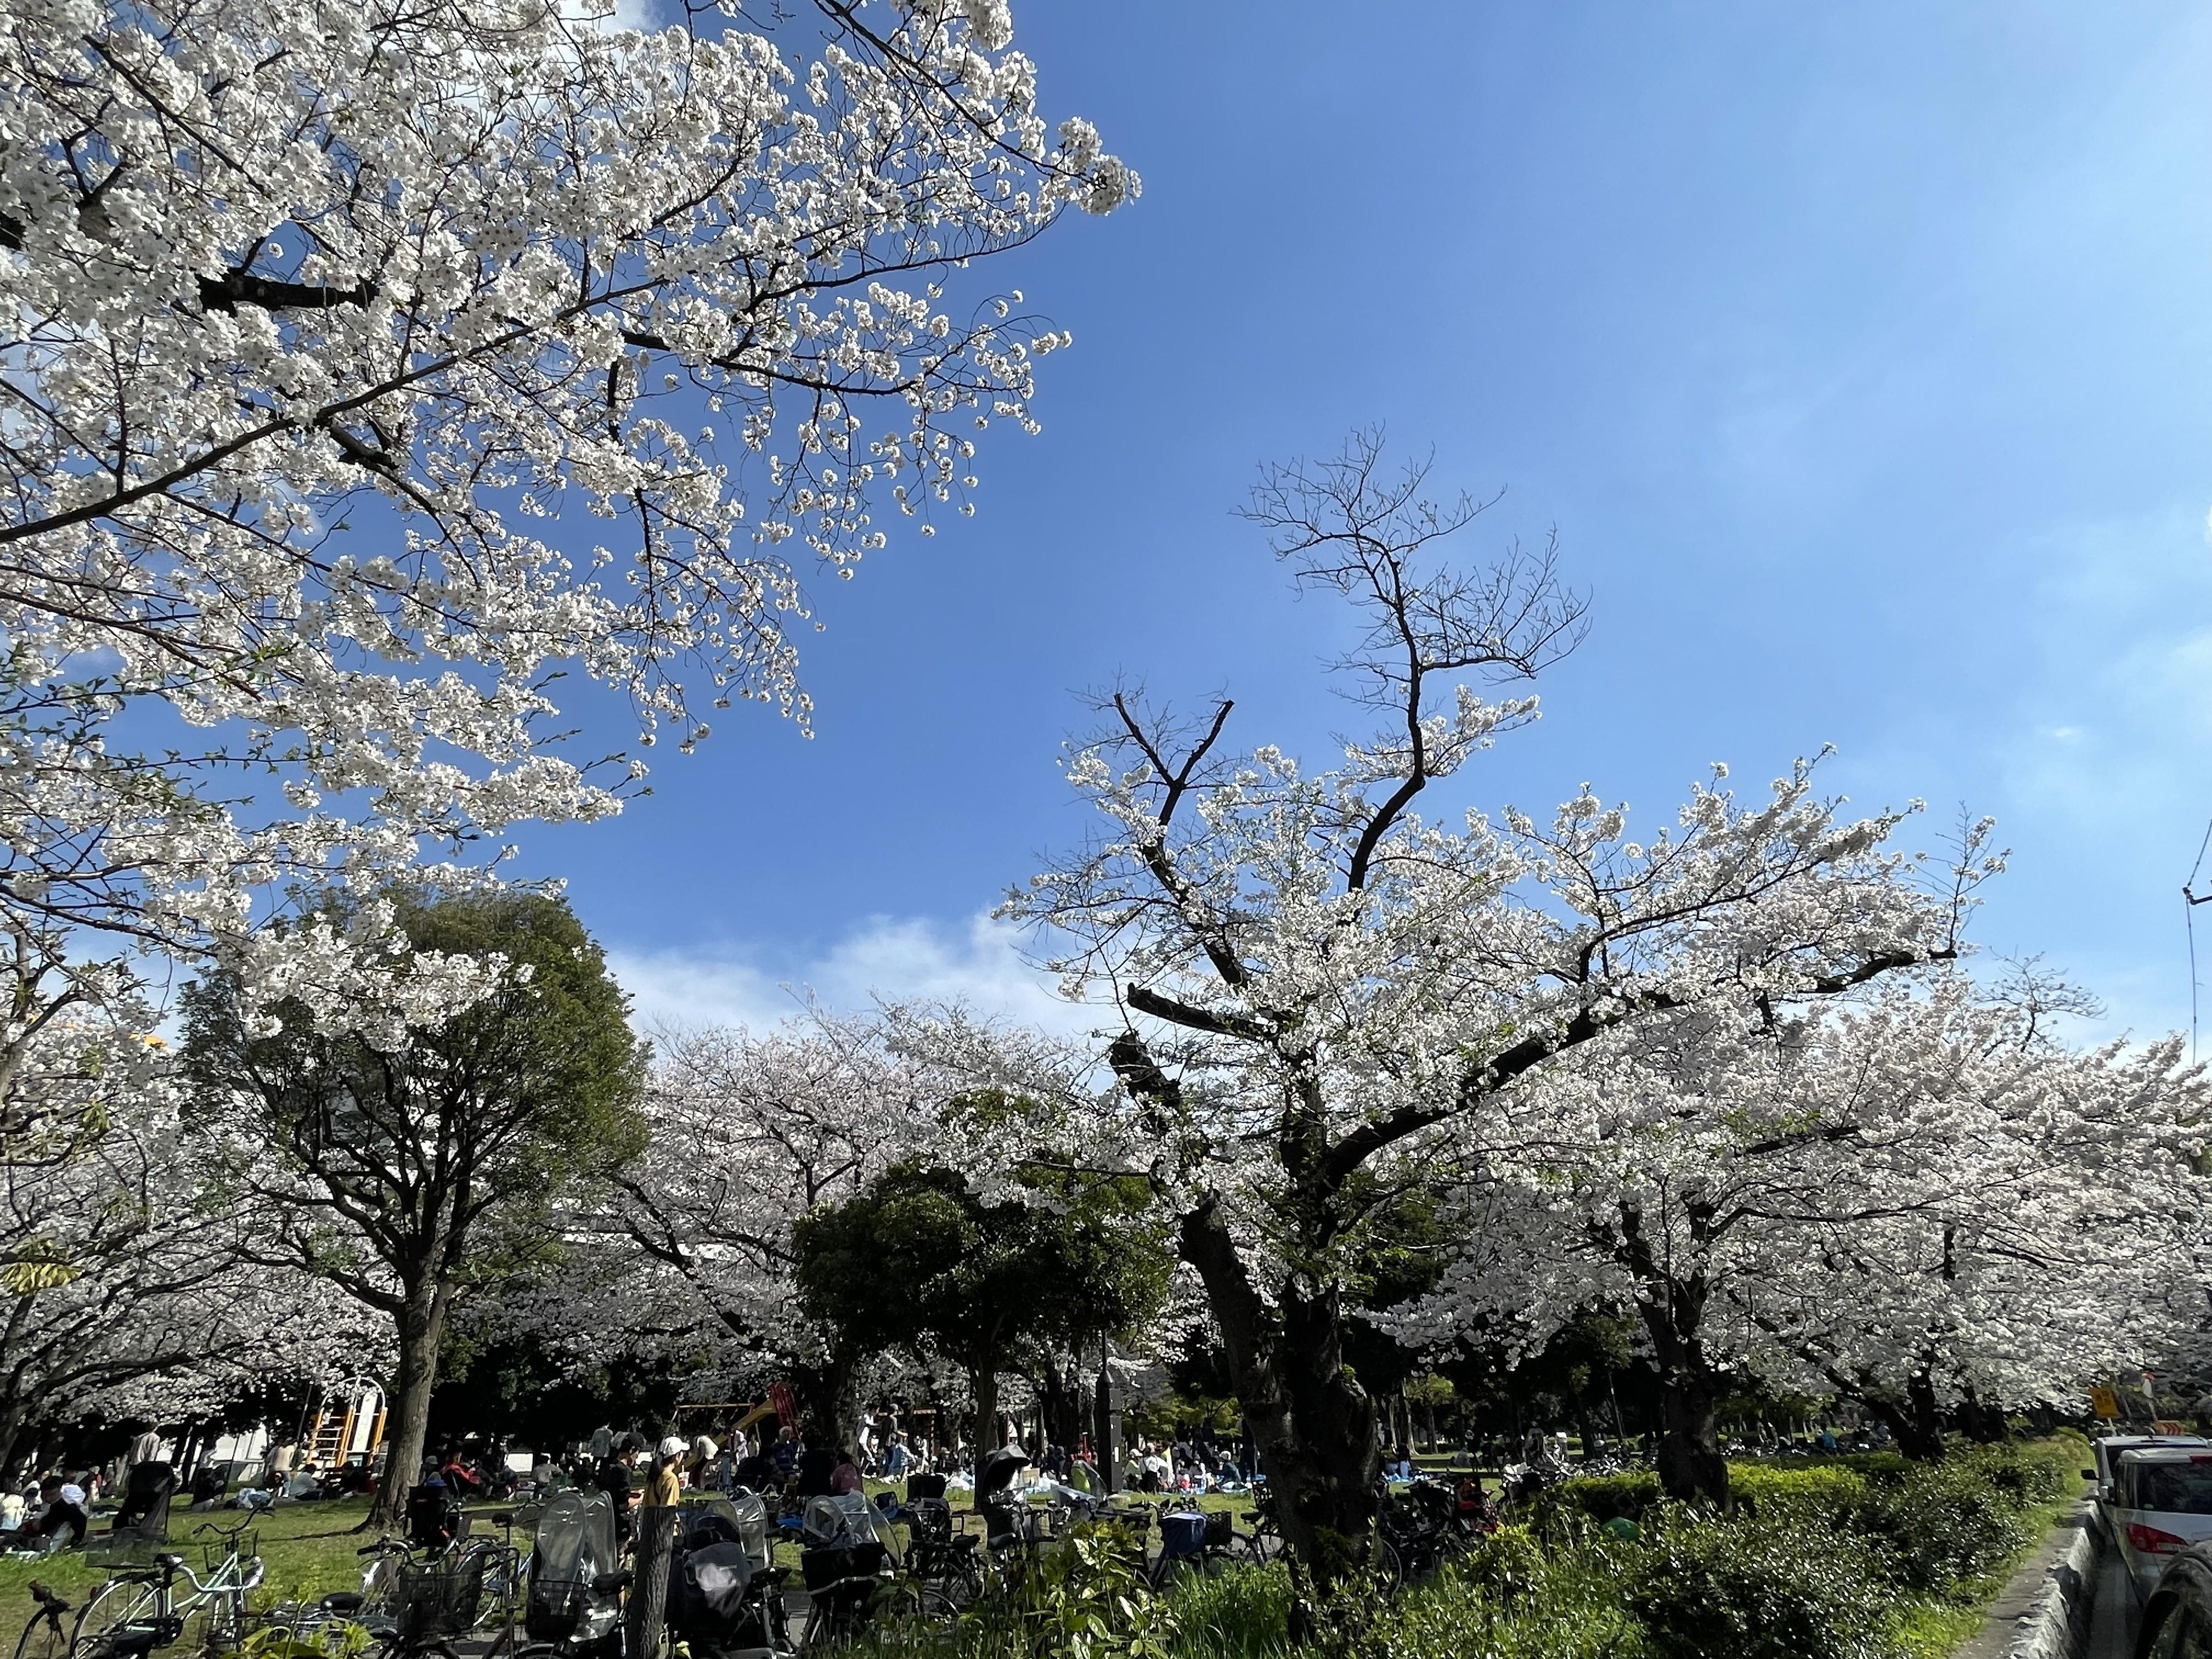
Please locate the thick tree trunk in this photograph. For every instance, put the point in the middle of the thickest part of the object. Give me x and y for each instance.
(1914, 1421)
(12, 1414)
(1312, 1422)
(829, 1396)
(1102, 1429)
(1688, 1456)
(983, 1383)
(1058, 1404)
(1586, 1426)
(421, 1324)
(1981, 1422)
(1690, 1464)
(648, 1602)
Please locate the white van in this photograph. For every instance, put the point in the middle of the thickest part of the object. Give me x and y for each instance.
(2159, 1503)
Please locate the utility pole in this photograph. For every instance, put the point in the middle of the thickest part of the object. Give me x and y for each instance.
(1101, 1426)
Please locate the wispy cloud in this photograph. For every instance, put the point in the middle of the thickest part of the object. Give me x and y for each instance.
(886, 958)
(2106, 761)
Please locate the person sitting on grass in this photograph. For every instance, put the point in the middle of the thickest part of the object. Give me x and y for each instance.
(62, 1522)
(846, 1476)
(460, 1480)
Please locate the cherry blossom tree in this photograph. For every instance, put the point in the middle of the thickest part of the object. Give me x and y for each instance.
(412, 1174)
(123, 1289)
(748, 1134)
(2056, 1213)
(1323, 989)
(1895, 1197)
(318, 320)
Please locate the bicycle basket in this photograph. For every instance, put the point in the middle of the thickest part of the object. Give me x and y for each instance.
(931, 1519)
(217, 1548)
(853, 1566)
(555, 1609)
(439, 1601)
(1182, 1535)
(1220, 1529)
(128, 1547)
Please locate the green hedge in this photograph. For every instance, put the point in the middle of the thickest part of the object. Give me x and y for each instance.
(1842, 1560)
(1754, 1589)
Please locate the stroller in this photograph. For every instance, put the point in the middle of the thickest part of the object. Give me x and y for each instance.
(1006, 1524)
(575, 1591)
(724, 1598)
(434, 1518)
(141, 1523)
(848, 1551)
(146, 1495)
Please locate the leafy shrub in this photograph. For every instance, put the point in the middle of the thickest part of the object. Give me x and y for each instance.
(1824, 1492)
(1083, 1599)
(1941, 1523)
(1513, 1599)
(1754, 1589)
(1505, 1566)
(1597, 1498)
(1243, 1612)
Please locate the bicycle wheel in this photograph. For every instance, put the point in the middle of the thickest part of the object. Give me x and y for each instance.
(379, 1593)
(1389, 1563)
(962, 1585)
(117, 1602)
(45, 1637)
(222, 1620)
(1265, 1543)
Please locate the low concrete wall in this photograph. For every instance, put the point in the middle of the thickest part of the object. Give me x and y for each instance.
(2044, 1611)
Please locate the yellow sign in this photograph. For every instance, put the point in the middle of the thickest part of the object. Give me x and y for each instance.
(2102, 1402)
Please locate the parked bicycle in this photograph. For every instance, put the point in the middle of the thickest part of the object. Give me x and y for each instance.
(941, 1561)
(47, 1635)
(143, 1608)
(573, 1606)
(1199, 1541)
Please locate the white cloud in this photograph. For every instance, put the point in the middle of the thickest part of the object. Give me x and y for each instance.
(887, 958)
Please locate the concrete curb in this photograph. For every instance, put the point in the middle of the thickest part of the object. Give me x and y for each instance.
(2044, 1611)
(2059, 1628)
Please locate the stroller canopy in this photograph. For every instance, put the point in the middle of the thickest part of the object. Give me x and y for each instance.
(994, 1471)
(575, 1537)
(574, 1545)
(844, 1521)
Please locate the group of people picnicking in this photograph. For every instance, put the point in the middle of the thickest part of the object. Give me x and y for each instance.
(802, 1462)
(53, 1511)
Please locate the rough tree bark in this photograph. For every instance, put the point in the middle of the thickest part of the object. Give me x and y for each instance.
(1310, 1418)
(1672, 1309)
(1915, 1421)
(422, 1321)
(828, 1394)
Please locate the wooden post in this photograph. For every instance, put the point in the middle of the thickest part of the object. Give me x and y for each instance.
(646, 1612)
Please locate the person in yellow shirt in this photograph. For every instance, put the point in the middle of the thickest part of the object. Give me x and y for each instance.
(663, 1488)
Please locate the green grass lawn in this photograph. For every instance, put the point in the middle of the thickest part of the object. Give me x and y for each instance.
(309, 1549)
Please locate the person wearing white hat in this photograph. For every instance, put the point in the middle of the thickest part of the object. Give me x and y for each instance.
(62, 1522)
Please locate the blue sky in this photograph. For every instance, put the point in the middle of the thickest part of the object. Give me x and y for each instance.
(1862, 357)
